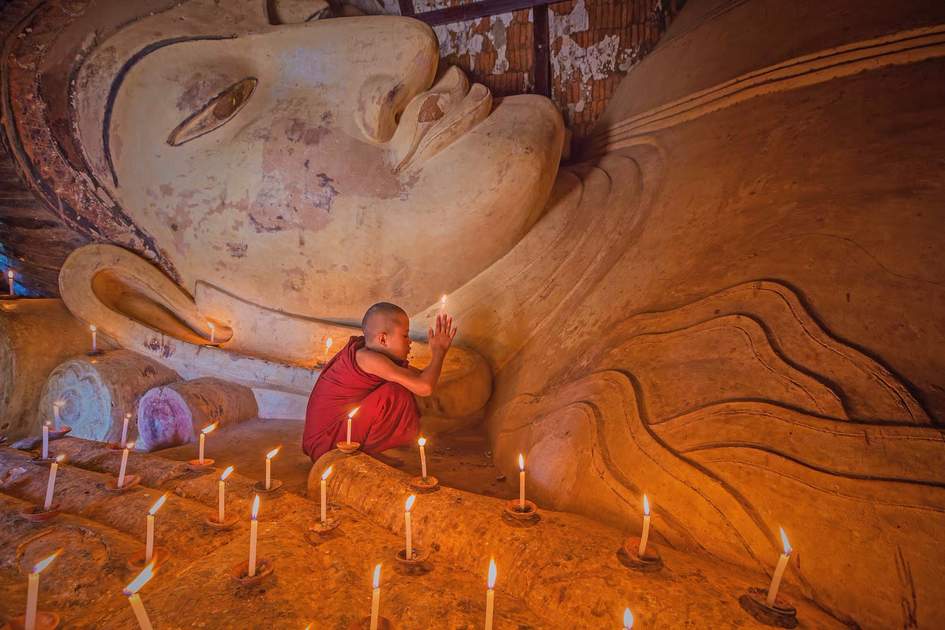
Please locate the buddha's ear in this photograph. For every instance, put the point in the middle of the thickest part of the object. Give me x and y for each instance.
(296, 11)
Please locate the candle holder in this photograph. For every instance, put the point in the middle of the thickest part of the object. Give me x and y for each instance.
(240, 572)
(416, 564)
(629, 556)
(260, 486)
(383, 623)
(228, 521)
(323, 529)
(425, 484)
(45, 620)
(130, 482)
(61, 432)
(514, 513)
(197, 465)
(348, 447)
(137, 562)
(781, 615)
(38, 514)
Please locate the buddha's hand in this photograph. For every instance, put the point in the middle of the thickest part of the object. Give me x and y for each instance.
(442, 335)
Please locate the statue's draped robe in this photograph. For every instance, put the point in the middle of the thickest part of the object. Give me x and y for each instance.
(387, 412)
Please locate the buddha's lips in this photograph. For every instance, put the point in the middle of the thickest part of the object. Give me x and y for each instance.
(437, 117)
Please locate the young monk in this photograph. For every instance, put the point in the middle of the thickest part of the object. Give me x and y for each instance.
(372, 374)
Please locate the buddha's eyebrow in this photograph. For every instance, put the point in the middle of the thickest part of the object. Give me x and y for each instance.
(120, 78)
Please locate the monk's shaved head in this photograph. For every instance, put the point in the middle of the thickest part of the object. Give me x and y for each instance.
(382, 317)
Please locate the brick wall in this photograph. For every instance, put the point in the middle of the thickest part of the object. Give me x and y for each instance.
(592, 45)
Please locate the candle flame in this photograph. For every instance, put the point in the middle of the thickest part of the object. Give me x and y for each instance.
(627, 619)
(128, 415)
(646, 506)
(226, 473)
(327, 472)
(211, 325)
(45, 562)
(492, 573)
(422, 441)
(59, 403)
(409, 503)
(209, 428)
(60, 458)
(785, 542)
(328, 343)
(130, 446)
(352, 412)
(93, 327)
(46, 424)
(10, 274)
(157, 504)
(377, 575)
(521, 462)
(273, 452)
(255, 507)
(146, 574)
(443, 301)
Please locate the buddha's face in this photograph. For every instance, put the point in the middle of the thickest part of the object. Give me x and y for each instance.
(318, 168)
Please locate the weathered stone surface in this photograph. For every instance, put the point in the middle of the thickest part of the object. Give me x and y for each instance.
(36, 335)
(99, 390)
(174, 414)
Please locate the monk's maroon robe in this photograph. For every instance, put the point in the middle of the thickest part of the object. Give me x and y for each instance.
(387, 412)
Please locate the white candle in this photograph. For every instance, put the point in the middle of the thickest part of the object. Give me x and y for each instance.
(376, 597)
(490, 594)
(779, 570)
(328, 343)
(124, 428)
(10, 281)
(124, 464)
(203, 434)
(627, 619)
(407, 506)
(521, 482)
(94, 330)
(149, 541)
(646, 526)
(32, 590)
(51, 485)
(253, 528)
(269, 457)
(221, 491)
(351, 415)
(325, 493)
(213, 332)
(131, 591)
(423, 457)
(57, 408)
(46, 440)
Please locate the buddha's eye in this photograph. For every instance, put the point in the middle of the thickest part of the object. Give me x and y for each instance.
(215, 113)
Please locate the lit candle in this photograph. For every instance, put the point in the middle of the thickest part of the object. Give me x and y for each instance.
(213, 332)
(131, 591)
(124, 428)
(221, 488)
(94, 330)
(51, 485)
(10, 281)
(253, 528)
(646, 526)
(779, 570)
(521, 482)
(124, 463)
(627, 619)
(32, 590)
(490, 594)
(407, 506)
(423, 457)
(351, 415)
(269, 457)
(45, 440)
(149, 544)
(376, 597)
(325, 493)
(203, 434)
(57, 408)
(443, 305)
(328, 343)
